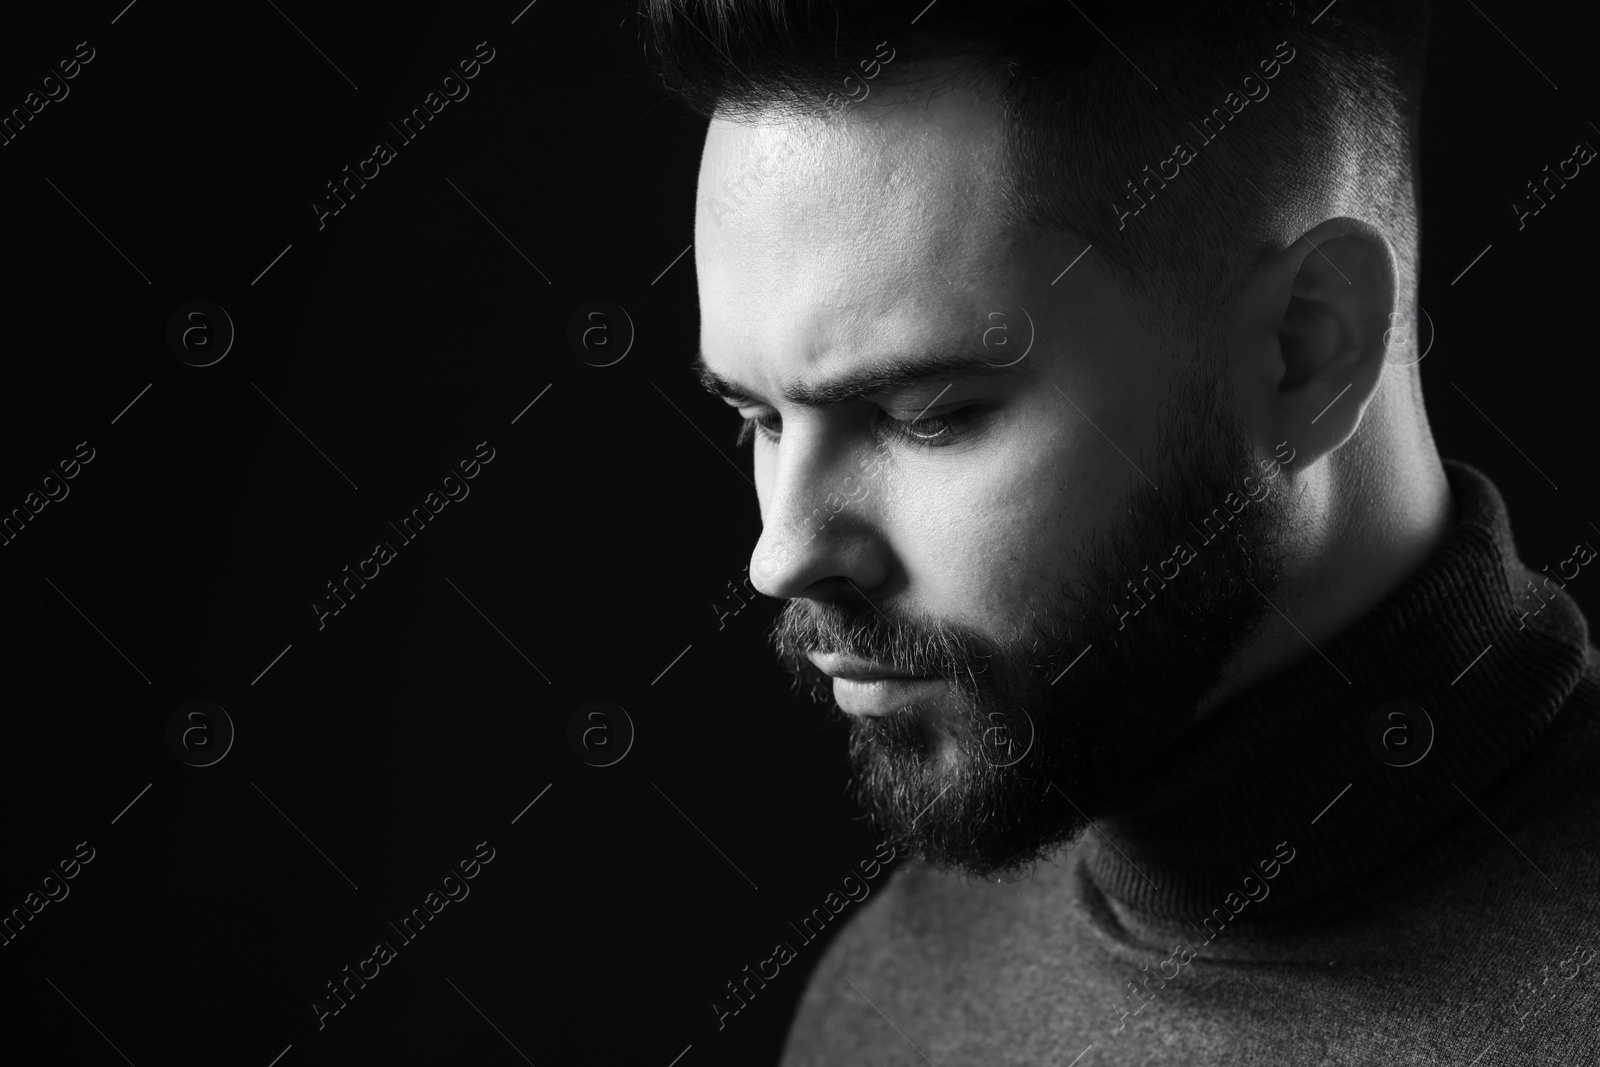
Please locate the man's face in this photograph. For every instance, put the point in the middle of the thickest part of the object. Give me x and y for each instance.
(971, 533)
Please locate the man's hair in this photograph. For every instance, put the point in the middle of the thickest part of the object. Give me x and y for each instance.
(1095, 97)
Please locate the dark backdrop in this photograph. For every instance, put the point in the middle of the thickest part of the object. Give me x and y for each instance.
(369, 357)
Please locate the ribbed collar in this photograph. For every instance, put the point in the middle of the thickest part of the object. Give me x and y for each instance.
(1259, 770)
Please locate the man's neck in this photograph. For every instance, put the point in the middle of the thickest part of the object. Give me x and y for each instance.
(1316, 755)
(1373, 524)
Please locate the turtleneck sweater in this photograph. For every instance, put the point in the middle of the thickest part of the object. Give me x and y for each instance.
(1303, 878)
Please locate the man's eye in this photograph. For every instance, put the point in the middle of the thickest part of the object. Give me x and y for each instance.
(935, 432)
(768, 427)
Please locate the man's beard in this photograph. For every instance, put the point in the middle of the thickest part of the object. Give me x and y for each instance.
(1103, 694)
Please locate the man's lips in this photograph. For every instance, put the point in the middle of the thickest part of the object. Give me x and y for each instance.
(855, 669)
(867, 687)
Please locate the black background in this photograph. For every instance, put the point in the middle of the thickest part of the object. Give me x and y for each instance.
(425, 716)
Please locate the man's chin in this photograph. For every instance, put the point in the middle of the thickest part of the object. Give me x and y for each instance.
(960, 844)
(936, 796)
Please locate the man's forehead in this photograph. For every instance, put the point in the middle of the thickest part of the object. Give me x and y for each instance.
(895, 169)
(827, 246)
(816, 237)
(817, 329)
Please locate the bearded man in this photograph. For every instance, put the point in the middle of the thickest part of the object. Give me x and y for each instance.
(1079, 352)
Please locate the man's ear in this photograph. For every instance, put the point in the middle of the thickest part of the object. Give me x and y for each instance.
(1307, 336)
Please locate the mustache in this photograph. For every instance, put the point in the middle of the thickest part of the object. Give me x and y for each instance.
(905, 642)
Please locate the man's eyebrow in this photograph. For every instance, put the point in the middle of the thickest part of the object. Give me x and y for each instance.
(896, 372)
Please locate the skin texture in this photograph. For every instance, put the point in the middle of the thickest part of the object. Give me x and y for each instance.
(1006, 548)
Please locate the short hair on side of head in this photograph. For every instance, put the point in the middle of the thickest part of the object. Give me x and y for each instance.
(1095, 97)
